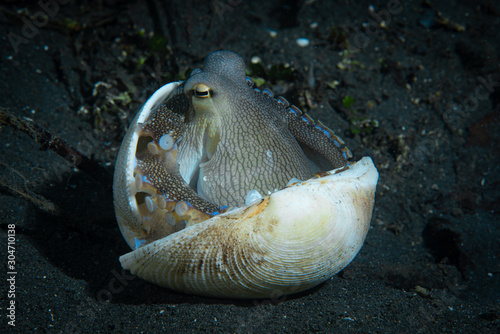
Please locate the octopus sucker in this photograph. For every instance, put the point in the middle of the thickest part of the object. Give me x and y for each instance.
(224, 190)
(166, 142)
(153, 148)
(252, 196)
(162, 203)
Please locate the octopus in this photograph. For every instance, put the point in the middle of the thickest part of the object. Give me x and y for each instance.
(210, 194)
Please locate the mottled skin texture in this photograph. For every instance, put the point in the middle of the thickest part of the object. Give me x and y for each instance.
(236, 136)
(162, 170)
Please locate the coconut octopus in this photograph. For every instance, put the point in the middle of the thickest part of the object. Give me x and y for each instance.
(209, 190)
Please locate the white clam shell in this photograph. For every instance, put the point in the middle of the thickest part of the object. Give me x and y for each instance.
(126, 210)
(289, 241)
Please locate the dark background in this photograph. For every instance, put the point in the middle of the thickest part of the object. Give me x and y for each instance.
(422, 78)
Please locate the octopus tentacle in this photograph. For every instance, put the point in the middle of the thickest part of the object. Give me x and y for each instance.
(317, 136)
(314, 135)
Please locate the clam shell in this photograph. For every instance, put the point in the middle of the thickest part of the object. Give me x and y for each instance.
(287, 242)
(126, 210)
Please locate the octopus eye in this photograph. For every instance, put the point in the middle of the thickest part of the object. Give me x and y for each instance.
(201, 91)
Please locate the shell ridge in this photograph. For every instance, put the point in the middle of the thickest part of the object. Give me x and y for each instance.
(249, 275)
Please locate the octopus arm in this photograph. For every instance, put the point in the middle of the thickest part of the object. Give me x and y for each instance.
(317, 137)
(170, 184)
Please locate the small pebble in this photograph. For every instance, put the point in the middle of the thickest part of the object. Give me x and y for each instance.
(256, 60)
(302, 42)
(272, 33)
